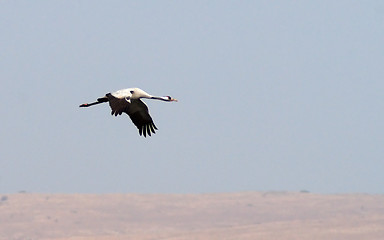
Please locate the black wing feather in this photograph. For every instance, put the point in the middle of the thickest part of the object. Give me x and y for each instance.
(136, 110)
(118, 105)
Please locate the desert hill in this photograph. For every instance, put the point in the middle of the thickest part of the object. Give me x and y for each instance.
(238, 216)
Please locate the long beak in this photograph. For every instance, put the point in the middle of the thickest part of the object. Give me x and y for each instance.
(174, 100)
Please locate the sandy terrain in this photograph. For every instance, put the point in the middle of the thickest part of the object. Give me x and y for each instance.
(238, 216)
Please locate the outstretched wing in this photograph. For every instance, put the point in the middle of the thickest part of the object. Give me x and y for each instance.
(136, 110)
(118, 105)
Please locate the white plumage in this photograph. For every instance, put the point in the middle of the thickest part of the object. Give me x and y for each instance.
(129, 101)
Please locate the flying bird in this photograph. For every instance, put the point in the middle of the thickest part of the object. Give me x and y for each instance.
(129, 101)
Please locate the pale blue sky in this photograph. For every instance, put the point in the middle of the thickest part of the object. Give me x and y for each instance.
(273, 95)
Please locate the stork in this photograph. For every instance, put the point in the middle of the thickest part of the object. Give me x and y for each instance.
(129, 101)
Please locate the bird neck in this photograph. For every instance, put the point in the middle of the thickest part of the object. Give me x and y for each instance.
(160, 98)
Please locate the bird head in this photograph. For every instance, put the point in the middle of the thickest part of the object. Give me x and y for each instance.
(170, 99)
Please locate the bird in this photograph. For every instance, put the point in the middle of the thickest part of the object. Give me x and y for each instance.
(129, 101)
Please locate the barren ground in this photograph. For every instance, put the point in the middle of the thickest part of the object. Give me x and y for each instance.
(237, 216)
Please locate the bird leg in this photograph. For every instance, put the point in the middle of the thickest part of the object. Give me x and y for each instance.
(99, 100)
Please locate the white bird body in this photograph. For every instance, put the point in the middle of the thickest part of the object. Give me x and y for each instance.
(128, 101)
(137, 93)
(123, 93)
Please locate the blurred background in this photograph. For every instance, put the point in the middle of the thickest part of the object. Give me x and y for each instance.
(273, 96)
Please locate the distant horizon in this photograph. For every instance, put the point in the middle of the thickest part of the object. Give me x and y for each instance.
(192, 193)
(245, 216)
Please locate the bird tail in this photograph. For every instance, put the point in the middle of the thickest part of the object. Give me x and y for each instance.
(99, 100)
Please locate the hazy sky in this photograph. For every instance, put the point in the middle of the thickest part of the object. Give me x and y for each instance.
(273, 96)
